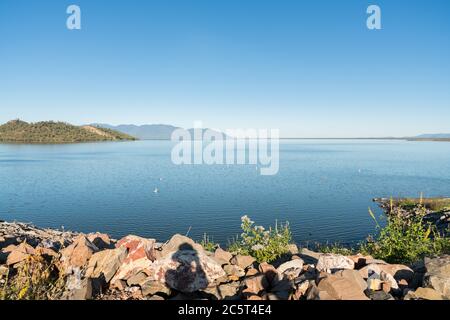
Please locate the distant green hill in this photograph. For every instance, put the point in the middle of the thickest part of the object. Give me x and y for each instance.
(17, 131)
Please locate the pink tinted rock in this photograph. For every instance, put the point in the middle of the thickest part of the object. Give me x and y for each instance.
(187, 270)
(138, 248)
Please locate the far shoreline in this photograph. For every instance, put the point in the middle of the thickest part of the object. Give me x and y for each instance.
(281, 139)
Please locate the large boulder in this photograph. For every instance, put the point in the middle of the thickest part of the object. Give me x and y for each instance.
(152, 287)
(309, 257)
(137, 279)
(78, 288)
(301, 289)
(176, 242)
(187, 270)
(101, 240)
(377, 276)
(424, 294)
(333, 262)
(222, 256)
(270, 273)
(141, 254)
(104, 264)
(291, 269)
(397, 271)
(292, 249)
(379, 295)
(83, 293)
(78, 253)
(256, 284)
(138, 247)
(16, 254)
(438, 274)
(229, 291)
(344, 285)
(243, 261)
(233, 272)
(46, 252)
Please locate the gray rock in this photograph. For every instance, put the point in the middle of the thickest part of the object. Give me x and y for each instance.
(333, 262)
(438, 274)
(137, 279)
(234, 271)
(291, 269)
(229, 291)
(396, 271)
(78, 289)
(309, 257)
(256, 284)
(424, 294)
(151, 287)
(379, 295)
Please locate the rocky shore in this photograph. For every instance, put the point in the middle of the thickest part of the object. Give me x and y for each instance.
(94, 266)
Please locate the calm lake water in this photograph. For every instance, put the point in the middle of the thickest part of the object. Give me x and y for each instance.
(323, 188)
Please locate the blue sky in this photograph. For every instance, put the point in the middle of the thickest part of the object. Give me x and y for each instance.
(309, 68)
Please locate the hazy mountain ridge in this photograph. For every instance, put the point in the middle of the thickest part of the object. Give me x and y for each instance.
(143, 132)
(151, 131)
(433, 136)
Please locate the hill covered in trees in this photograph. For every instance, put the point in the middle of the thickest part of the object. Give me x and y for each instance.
(17, 131)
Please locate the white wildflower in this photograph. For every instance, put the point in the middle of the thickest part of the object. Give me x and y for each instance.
(257, 247)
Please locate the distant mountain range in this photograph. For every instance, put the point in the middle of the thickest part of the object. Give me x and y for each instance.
(434, 136)
(148, 131)
(144, 132)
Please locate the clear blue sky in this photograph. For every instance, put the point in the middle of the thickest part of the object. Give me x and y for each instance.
(309, 68)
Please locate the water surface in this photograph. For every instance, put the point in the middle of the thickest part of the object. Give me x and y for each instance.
(323, 188)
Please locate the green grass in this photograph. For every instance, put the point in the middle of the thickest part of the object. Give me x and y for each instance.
(208, 243)
(434, 204)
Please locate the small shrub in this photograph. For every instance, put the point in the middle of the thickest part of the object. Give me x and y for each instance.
(264, 245)
(405, 240)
